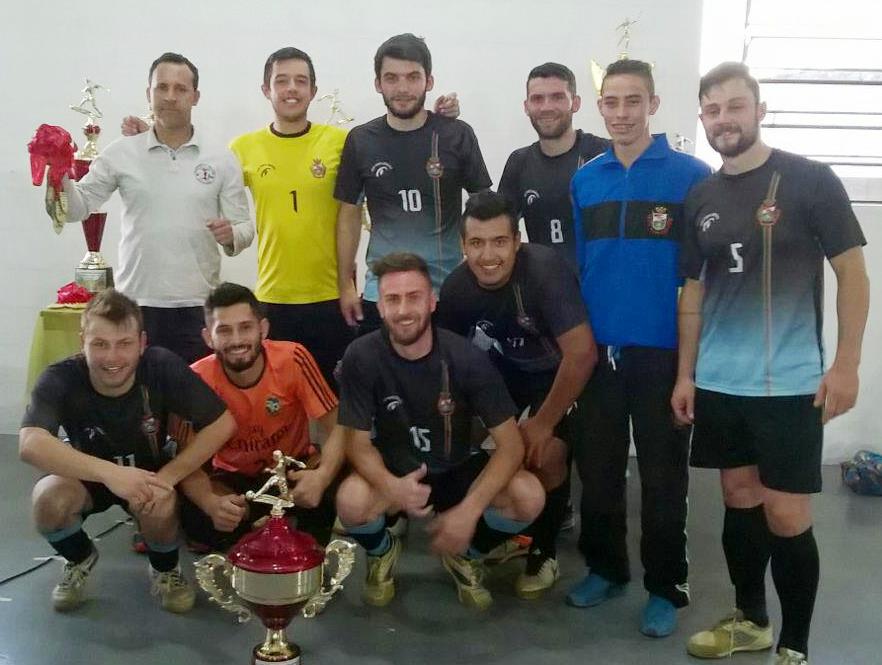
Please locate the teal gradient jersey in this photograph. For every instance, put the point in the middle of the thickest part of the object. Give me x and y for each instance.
(410, 210)
(758, 240)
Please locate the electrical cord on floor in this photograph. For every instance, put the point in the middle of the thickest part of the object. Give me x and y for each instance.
(52, 557)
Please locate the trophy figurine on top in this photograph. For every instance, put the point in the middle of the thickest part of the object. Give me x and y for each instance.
(53, 147)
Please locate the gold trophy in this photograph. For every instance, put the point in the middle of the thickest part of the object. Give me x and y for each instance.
(93, 273)
(276, 570)
(597, 71)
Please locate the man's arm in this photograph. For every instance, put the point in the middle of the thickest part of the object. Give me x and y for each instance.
(406, 492)
(234, 231)
(204, 443)
(579, 356)
(88, 194)
(689, 326)
(226, 511)
(310, 484)
(39, 448)
(348, 236)
(839, 387)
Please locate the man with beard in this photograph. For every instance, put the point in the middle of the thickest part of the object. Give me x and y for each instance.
(290, 167)
(751, 372)
(521, 304)
(412, 165)
(628, 212)
(182, 197)
(114, 402)
(536, 178)
(408, 396)
(273, 389)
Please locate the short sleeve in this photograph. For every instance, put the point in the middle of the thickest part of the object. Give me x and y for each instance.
(508, 183)
(691, 259)
(349, 182)
(475, 175)
(186, 394)
(356, 399)
(831, 216)
(312, 389)
(44, 408)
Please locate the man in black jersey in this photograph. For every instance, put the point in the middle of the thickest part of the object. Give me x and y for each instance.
(408, 396)
(522, 305)
(536, 178)
(113, 402)
(412, 165)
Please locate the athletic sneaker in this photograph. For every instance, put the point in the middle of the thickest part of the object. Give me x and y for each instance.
(733, 633)
(379, 587)
(540, 575)
(790, 657)
(70, 592)
(509, 549)
(174, 591)
(468, 575)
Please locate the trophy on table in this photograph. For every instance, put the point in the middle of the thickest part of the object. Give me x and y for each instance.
(93, 273)
(275, 571)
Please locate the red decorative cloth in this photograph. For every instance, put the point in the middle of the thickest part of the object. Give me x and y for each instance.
(73, 293)
(53, 147)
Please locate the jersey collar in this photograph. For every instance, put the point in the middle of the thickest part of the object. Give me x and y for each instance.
(658, 149)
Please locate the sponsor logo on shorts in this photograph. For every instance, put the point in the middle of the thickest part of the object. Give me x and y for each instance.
(205, 173)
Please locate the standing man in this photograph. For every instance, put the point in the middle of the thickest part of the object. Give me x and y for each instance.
(412, 165)
(628, 209)
(751, 369)
(273, 389)
(114, 402)
(521, 304)
(181, 199)
(536, 178)
(408, 394)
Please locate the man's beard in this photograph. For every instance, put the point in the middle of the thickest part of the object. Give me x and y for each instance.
(558, 130)
(410, 337)
(409, 112)
(746, 140)
(239, 364)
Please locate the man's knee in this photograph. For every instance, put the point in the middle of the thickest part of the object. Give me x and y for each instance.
(56, 502)
(356, 501)
(788, 514)
(742, 487)
(553, 470)
(527, 496)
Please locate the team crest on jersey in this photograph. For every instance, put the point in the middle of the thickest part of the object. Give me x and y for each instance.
(380, 168)
(205, 173)
(392, 402)
(272, 405)
(531, 195)
(659, 221)
(708, 220)
(265, 169)
(434, 167)
(318, 168)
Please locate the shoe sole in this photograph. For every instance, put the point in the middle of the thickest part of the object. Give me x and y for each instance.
(709, 654)
(534, 594)
(612, 592)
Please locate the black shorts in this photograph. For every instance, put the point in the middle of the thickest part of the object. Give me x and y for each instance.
(318, 326)
(450, 487)
(102, 498)
(781, 436)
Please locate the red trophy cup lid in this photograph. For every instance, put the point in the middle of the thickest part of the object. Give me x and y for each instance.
(276, 548)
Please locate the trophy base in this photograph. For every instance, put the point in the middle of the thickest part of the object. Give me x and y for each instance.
(259, 657)
(94, 279)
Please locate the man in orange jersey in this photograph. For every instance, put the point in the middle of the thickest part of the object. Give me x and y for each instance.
(273, 389)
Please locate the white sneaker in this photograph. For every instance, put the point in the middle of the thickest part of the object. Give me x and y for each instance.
(175, 593)
(70, 592)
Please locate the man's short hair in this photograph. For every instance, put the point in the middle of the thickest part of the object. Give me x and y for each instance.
(724, 72)
(487, 205)
(112, 305)
(628, 66)
(287, 53)
(554, 70)
(400, 262)
(228, 294)
(404, 47)
(177, 59)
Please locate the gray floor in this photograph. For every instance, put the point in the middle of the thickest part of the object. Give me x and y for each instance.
(425, 624)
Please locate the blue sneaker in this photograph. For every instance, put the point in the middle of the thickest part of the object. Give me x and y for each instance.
(593, 590)
(659, 617)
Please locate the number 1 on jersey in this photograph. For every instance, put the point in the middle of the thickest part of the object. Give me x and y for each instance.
(294, 199)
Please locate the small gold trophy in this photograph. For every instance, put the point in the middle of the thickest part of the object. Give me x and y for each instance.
(598, 71)
(275, 570)
(93, 273)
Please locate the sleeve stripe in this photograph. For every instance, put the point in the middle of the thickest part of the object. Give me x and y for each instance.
(314, 378)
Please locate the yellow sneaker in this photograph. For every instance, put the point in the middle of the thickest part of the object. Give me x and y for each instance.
(468, 575)
(70, 592)
(734, 633)
(790, 657)
(379, 587)
(174, 591)
(540, 575)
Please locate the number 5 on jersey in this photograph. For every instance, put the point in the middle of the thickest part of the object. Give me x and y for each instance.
(421, 440)
(737, 259)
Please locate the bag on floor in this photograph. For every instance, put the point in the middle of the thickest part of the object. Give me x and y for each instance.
(863, 473)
